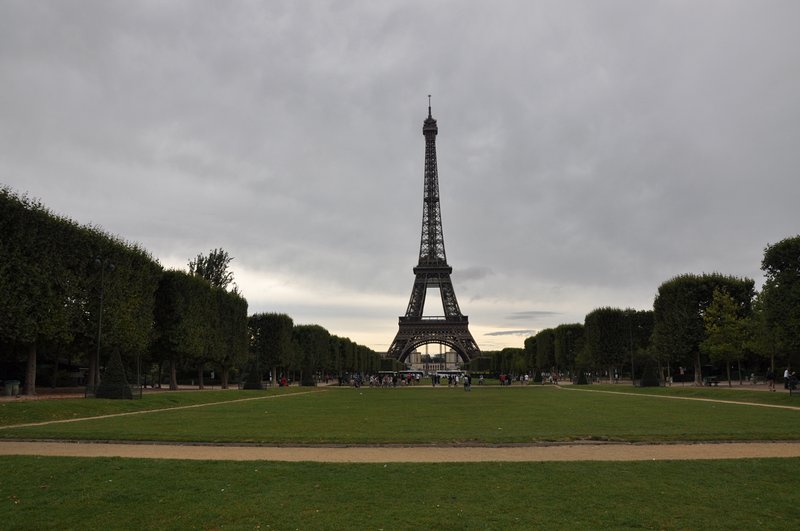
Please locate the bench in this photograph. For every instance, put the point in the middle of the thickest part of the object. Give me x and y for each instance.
(711, 380)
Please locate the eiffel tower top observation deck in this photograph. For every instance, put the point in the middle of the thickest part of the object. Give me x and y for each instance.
(432, 271)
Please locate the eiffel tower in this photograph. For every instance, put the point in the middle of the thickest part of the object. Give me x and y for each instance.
(432, 271)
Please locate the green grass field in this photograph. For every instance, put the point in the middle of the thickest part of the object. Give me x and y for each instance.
(102, 493)
(490, 415)
(79, 493)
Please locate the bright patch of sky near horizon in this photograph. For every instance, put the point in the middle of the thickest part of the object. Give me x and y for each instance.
(588, 151)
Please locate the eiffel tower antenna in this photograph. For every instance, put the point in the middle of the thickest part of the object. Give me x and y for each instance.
(432, 271)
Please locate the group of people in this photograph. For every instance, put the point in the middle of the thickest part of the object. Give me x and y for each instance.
(789, 379)
(393, 380)
(408, 379)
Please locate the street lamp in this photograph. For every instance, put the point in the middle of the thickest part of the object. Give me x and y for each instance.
(103, 264)
(630, 334)
(569, 354)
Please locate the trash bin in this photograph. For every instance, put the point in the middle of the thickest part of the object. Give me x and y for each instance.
(11, 387)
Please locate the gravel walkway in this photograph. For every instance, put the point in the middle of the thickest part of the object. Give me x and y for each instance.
(423, 454)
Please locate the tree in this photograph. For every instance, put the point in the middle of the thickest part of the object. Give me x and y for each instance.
(179, 320)
(34, 282)
(545, 353)
(270, 341)
(569, 340)
(781, 297)
(607, 338)
(313, 342)
(760, 335)
(114, 383)
(725, 331)
(51, 287)
(530, 353)
(678, 309)
(232, 348)
(213, 268)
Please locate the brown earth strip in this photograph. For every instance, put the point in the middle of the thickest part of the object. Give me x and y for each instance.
(426, 454)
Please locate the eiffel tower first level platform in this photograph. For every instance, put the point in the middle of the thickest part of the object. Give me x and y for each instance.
(432, 271)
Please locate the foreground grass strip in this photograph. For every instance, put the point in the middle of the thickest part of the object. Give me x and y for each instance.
(439, 416)
(75, 493)
(80, 409)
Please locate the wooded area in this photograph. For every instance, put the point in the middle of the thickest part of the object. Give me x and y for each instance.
(72, 295)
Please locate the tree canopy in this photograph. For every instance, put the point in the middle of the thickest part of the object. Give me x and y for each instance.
(678, 314)
(215, 268)
(781, 297)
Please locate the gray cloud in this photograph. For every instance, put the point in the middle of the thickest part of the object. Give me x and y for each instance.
(521, 333)
(587, 151)
(531, 315)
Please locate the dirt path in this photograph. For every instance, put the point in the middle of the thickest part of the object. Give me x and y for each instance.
(426, 454)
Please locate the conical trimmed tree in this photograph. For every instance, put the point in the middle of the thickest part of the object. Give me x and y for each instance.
(114, 383)
(650, 377)
(253, 378)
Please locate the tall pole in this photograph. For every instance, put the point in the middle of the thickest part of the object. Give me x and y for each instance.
(102, 264)
(630, 333)
(96, 381)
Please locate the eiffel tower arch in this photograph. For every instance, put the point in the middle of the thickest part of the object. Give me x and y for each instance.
(432, 271)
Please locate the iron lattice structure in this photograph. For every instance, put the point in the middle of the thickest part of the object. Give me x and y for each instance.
(432, 271)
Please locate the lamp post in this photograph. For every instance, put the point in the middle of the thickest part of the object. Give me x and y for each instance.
(104, 265)
(569, 354)
(630, 335)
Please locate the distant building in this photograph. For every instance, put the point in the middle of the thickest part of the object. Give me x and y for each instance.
(418, 361)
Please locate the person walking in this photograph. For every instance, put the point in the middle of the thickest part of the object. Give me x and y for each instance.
(771, 379)
(786, 378)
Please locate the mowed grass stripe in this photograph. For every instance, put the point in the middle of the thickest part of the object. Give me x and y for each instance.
(673, 397)
(81, 409)
(439, 416)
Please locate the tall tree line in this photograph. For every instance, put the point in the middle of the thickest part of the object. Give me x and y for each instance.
(278, 345)
(697, 321)
(76, 292)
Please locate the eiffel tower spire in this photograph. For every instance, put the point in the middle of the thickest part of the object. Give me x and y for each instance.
(432, 271)
(431, 248)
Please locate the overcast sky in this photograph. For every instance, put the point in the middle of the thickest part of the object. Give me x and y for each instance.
(588, 150)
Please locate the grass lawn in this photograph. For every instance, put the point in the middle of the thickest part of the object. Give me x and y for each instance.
(26, 411)
(80, 493)
(491, 415)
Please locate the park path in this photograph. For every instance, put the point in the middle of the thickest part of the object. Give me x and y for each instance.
(398, 453)
(407, 454)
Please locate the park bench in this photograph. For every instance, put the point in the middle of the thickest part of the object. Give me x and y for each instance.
(711, 380)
